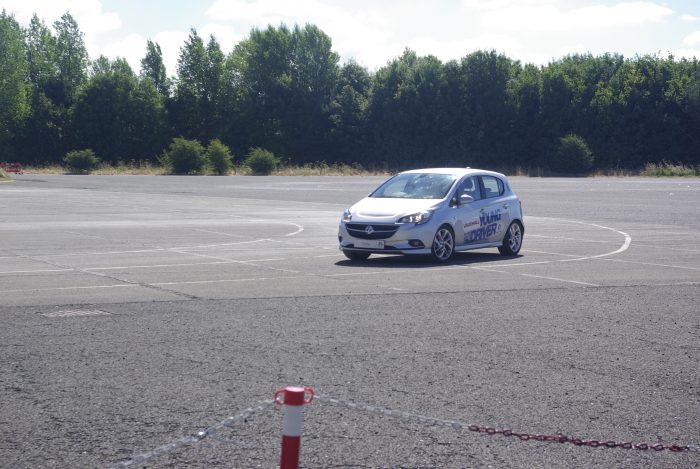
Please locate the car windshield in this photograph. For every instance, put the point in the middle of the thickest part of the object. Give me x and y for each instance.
(416, 186)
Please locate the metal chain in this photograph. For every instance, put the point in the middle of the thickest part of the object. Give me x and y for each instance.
(229, 422)
(558, 438)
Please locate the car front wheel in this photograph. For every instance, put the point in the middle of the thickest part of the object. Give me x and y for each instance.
(356, 255)
(513, 240)
(443, 247)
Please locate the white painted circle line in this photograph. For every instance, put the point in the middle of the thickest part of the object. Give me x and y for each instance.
(625, 245)
(299, 230)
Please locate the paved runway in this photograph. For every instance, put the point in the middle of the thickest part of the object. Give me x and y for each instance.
(140, 309)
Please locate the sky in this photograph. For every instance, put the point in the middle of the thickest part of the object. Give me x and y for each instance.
(373, 32)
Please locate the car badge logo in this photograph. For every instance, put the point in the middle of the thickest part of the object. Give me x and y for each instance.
(369, 230)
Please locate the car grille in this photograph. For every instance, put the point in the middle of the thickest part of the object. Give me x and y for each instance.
(359, 230)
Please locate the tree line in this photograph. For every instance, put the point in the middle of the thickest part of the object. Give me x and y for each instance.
(284, 89)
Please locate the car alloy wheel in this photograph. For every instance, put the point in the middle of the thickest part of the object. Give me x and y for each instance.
(513, 240)
(443, 244)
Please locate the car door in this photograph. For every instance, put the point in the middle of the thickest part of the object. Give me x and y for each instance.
(467, 226)
(494, 214)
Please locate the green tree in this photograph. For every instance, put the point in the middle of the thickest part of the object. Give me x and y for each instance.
(41, 54)
(261, 162)
(283, 83)
(81, 161)
(485, 108)
(14, 105)
(524, 96)
(57, 69)
(257, 74)
(573, 156)
(219, 157)
(41, 139)
(406, 113)
(197, 104)
(184, 156)
(349, 115)
(71, 57)
(118, 115)
(153, 68)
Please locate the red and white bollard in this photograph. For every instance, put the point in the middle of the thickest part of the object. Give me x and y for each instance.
(293, 399)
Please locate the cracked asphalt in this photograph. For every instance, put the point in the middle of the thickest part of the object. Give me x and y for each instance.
(136, 310)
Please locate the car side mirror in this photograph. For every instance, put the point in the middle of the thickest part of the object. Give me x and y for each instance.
(465, 199)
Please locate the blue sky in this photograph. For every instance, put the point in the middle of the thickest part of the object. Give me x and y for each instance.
(374, 32)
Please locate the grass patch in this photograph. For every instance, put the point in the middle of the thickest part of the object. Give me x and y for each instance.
(324, 169)
(149, 169)
(669, 169)
(129, 168)
(663, 169)
(4, 177)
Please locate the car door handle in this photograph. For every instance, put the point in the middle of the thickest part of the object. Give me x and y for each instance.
(505, 205)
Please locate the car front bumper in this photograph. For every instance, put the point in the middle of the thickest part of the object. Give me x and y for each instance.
(408, 239)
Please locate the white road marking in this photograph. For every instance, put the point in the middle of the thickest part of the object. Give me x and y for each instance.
(300, 228)
(38, 271)
(228, 280)
(67, 313)
(654, 264)
(92, 287)
(487, 269)
(624, 247)
(219, 233)
(561, 280)
(252, 262)
(552, 253)
(156, 266)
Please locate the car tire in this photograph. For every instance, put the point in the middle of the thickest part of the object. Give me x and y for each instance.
(356, 255)
(513, 240)
(443, 247)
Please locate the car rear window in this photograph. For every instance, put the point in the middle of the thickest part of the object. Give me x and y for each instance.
(493, 187)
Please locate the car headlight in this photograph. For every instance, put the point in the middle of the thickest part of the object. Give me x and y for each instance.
(347, 216)
(417, 218)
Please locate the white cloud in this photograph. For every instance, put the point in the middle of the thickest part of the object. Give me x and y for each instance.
(226, 36)
(548, 17)
(91, 19)
(456, 49)
(263, 12)
(692, 39)
(362, 34)
(132, 48)
(170, 43)
(686, 53)
(501, 4)
(689, 18)
(88, 13)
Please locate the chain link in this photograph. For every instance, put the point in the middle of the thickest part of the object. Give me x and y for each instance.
(171, 447)
(454, 424)
(262, 406)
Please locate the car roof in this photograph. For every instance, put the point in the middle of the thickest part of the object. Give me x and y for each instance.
(453, 171)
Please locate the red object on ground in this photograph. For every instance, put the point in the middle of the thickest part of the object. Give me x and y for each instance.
(12, 167)
(293, 399)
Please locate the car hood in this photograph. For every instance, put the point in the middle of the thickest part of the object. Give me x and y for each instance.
(380, 210)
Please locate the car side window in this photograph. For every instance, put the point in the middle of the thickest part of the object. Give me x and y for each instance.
(493, 187)
(470, 186)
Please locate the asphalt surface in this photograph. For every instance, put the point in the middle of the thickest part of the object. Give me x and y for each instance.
(136, 310)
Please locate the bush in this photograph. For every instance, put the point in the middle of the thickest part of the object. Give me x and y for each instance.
(184, 157)
(220, 157)
(668, 169)
(81, 161)
(261, 161)
(573, 156)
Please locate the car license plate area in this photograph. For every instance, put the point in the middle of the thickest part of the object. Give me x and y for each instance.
(369, 244)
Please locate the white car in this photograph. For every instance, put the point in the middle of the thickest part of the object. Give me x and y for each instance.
(435, 211)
